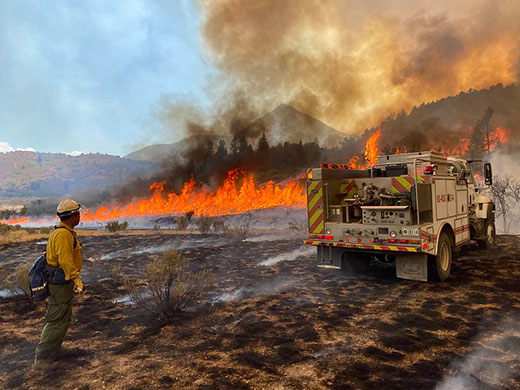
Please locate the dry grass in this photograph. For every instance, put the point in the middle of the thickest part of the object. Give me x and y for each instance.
(24, 236)
(20, 236)
(132, 232)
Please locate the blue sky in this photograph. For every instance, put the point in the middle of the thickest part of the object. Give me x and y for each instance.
(90, 75)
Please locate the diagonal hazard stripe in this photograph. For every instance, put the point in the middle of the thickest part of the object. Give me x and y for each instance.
(315, 216)
(314, 209)
(404, 182)
(310, 186)
(318, 226)
(408, 179)
(397, 186)
(315, 199)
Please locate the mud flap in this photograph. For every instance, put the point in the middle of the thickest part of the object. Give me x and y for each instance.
(329, 257)
(412, 266)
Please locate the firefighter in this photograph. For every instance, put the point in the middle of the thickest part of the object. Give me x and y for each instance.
(64, 264)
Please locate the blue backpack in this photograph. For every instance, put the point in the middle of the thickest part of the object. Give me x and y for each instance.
(40, 274)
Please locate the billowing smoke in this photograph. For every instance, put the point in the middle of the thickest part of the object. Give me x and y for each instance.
(351, 64)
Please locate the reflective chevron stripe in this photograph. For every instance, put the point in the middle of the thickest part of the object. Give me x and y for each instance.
(315, 206)
(363, 246)
(348, 189)
(402, 184)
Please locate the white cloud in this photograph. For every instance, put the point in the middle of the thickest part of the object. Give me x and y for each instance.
(5, 147)
(26, 150)
(89, 74)
(75, 153)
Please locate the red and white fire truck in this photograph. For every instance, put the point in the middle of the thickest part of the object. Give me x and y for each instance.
(411, 209)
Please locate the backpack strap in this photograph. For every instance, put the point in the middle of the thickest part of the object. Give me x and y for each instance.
(75, 240)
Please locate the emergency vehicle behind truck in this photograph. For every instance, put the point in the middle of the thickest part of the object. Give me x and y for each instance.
(411, 209)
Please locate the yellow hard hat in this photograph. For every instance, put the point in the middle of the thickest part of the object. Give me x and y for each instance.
(67, 207)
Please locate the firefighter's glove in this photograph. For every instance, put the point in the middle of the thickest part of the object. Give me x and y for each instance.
(79, 289)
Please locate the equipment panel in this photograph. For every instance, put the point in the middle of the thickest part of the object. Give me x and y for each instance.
(386, 215)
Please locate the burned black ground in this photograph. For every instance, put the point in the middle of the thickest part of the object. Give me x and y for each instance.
(284, 326)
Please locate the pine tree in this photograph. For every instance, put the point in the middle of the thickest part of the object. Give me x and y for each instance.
(221, 152)
(263, 144)
(235, 144)
(480, 135)
(486, 120)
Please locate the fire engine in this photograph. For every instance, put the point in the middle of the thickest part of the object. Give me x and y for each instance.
(412, 210)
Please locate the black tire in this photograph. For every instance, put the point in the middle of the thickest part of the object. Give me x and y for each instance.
(354, 263)
(491, 234)
(439, 266)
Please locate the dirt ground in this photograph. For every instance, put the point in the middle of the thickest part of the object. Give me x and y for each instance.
(282, 325)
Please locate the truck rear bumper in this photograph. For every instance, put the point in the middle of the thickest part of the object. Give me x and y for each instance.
(391, 248)
(410, 263)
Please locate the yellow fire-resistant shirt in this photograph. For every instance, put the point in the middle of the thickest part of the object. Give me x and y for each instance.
(61, 253)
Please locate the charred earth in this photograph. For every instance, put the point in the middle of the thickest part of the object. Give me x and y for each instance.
(275, 321)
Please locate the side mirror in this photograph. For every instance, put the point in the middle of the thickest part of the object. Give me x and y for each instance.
(488, 174)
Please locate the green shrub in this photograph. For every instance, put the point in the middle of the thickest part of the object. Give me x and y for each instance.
(169, 286)
(219, 225)
(182, 222)
(116, 226)
(299, 227)
(238, 232)
(4, 228)
(204, 224)
(42, 230)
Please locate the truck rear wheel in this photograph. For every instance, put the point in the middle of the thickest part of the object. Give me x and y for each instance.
(439, 266)
(489, 241)
(354, 263)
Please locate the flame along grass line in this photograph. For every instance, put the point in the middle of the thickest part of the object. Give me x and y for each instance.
(230, 198)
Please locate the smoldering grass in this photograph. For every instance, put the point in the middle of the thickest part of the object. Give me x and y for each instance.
(274, 286)
(303, 251)
(179, 245)
(480, 367)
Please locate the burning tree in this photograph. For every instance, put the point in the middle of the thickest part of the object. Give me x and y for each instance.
(480, 138)
(506, 195)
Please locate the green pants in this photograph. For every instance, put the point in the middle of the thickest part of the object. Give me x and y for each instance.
(59, 313)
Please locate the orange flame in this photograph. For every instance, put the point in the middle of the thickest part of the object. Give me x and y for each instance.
(353, 162)
(371, 152)
(497, 137)
(227, 199)
(371, 148)
(14, 221)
